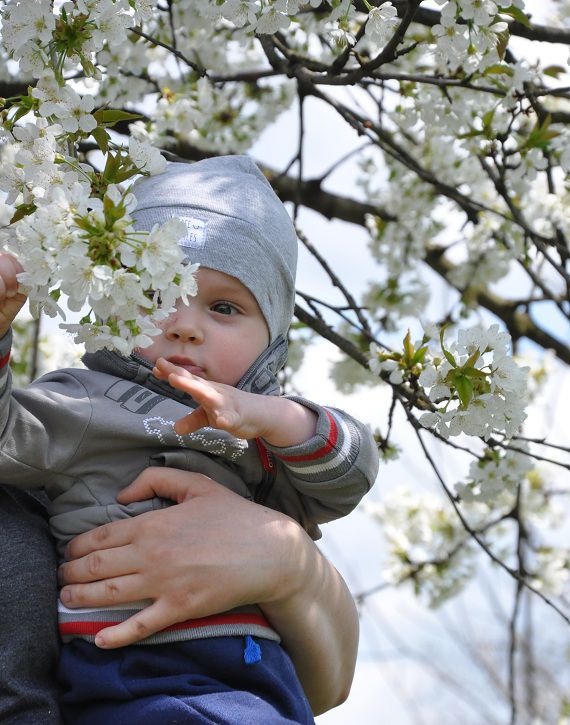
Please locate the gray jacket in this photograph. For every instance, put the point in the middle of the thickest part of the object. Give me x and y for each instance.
(83, 435)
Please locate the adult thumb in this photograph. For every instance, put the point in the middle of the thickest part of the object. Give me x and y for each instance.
(169, 483)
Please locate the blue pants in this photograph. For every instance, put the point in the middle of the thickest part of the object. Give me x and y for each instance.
(199, 681)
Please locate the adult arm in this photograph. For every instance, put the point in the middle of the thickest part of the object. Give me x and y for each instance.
(212, 552)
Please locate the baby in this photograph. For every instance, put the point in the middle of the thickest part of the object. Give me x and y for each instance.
(202, 397)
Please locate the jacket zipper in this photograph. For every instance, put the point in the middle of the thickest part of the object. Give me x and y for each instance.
(269, 473)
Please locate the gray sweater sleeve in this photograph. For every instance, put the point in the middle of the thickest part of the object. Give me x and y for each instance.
(335, 468)
(40, 426)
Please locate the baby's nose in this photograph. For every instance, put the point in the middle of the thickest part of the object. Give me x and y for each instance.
(185, 328)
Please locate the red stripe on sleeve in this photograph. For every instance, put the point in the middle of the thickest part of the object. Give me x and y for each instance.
(323, 451)
(4, 360)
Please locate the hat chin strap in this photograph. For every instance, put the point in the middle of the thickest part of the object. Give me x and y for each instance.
(261, 376)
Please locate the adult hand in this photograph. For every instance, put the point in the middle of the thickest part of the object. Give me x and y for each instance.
(212, 552)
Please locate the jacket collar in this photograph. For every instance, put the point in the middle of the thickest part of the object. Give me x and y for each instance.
(260, 378)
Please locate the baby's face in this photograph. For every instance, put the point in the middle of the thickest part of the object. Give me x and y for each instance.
(218, 335)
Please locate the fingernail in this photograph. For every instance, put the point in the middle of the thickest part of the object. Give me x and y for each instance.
(99, 640)
(65, 596)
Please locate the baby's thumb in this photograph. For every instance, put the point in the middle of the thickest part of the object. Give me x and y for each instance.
(169, 483)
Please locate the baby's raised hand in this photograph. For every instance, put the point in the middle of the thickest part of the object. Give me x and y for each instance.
(11, 300)
(242, 414)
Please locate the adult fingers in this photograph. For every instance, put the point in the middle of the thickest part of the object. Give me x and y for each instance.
(118, 590)
(108, 536)
(142, 624)
(169, 483)
(98, 565)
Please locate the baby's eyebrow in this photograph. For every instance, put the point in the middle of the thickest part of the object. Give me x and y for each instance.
(227, 289)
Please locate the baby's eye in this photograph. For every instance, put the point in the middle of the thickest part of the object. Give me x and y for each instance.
(224, 308)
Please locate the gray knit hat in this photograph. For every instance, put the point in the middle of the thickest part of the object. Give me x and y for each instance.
(236, 224)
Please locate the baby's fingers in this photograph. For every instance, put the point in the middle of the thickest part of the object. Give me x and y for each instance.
(163, 368)
(10, 267)
(193, 422)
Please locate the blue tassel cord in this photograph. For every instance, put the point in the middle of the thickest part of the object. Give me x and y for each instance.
(252, 651)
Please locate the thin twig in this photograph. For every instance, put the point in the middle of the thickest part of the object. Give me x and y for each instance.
(515, 613)
(337, 282)
(514, 574)
(202, 72)
(542, 442)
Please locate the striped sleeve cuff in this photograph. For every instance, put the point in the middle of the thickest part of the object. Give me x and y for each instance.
(329, 454)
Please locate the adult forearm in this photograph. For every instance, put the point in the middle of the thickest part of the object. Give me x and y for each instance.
(318, 623)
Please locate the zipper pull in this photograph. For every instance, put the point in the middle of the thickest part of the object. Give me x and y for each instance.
(252, 651)
(265, 456)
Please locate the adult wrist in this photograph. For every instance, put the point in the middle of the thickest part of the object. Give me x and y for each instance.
(292, 582)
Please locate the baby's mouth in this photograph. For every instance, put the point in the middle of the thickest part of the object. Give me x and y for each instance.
(187, 364)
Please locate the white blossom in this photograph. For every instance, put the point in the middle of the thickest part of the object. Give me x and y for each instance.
(426, 543)
(493, 475)
(551, 570)
(26, 21)
(381, 23)
(240, 12)
(74, 112)
(271, 21)
(480, 11)
(146, 157)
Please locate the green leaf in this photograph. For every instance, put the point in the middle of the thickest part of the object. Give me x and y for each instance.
(464, 388)
(108, 208)
(474, 373)
(111, 116)
(498, 69)
(488, 117)
(102, 138)
(124, 175)
(419, 355)
(55, 294)
(502, 43)
(517, 14)
(540, 135)
(554, 71)
(448, 355)
(470, 134)
(108, 164)
(472, 360)
(21, 211)
(111, 167)
(408, 348)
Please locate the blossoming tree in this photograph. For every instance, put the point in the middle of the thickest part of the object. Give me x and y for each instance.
(463, 171)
